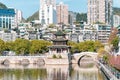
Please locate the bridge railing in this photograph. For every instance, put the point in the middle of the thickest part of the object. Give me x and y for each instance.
(107, 71)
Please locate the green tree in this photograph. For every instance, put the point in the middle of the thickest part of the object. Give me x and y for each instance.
(98, 45)
(101, 52)
(39, 46)
(73, 46)
(115, 42)
(9, 46)
(81, 17)
(86, 46)
(22, 46)
(2, 46)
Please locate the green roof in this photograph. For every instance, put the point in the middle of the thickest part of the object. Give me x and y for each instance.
(59, 33)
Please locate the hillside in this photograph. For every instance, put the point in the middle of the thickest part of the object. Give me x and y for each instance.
(35, 16)
(81, 17)
(2, 6)
(116, 11)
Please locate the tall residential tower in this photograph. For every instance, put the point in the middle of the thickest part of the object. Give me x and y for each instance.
(47, 12)
(62, 13)
(100, 11)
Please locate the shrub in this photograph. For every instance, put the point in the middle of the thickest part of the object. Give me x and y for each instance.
(54, 56)
(60, 56)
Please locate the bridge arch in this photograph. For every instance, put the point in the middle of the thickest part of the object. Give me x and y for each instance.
(79, 56)
(79, 60)
(5, 62)
(40, 62)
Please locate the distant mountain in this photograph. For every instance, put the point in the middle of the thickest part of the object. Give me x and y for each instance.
(35, 16)
(2, 6)
(116, 11)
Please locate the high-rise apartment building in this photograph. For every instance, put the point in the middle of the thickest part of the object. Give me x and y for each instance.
(62, 13)
(47, 12)
(100, 11)
(116, 20)
(71, 17)
(18, 17)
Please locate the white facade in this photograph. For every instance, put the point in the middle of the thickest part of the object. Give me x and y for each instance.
(24, 28)
(8, 22)
(47, 12)
(8, 35)
(18, 17)
(89, 32)
(116, 20)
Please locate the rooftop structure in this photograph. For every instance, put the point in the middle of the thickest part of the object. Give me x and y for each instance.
(59, 44)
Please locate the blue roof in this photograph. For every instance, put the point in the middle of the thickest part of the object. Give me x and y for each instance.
(7, 12)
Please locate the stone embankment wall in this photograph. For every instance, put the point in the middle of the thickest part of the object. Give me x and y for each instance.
(57, 61)
(34, 60)
(60, 59)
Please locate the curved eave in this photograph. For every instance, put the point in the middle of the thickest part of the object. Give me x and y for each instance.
(59, 46)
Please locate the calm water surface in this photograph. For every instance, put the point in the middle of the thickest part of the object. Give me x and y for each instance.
(86, 71)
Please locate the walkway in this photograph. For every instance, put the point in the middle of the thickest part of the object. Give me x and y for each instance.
(107, 71)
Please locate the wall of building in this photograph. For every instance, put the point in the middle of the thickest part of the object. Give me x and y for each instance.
(116, 20)
(100, 11)
(47, 12)
(8, 35)
(62, 13)
(7, 18)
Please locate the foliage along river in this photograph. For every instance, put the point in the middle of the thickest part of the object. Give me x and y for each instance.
(86, 71)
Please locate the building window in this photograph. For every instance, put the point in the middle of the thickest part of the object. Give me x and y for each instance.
(0, 22)
(3, 22)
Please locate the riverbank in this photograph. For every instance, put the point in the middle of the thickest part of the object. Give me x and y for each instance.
(107, 72)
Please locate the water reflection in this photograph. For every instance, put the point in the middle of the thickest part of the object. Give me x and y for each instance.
(50, 72)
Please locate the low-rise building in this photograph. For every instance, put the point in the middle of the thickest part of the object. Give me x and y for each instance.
(94, 32)
(103, 32)
(8, 35)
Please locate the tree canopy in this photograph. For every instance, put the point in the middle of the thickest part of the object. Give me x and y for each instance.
(113, 38)
(91, 46)
(23, 46)
(81, 17)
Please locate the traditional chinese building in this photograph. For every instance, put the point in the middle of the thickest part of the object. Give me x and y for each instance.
(59, 44)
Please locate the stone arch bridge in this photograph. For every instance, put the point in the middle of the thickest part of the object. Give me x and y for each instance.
(78, 56)
(22, 60)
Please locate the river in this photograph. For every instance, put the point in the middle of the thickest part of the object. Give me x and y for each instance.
(86, 71)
